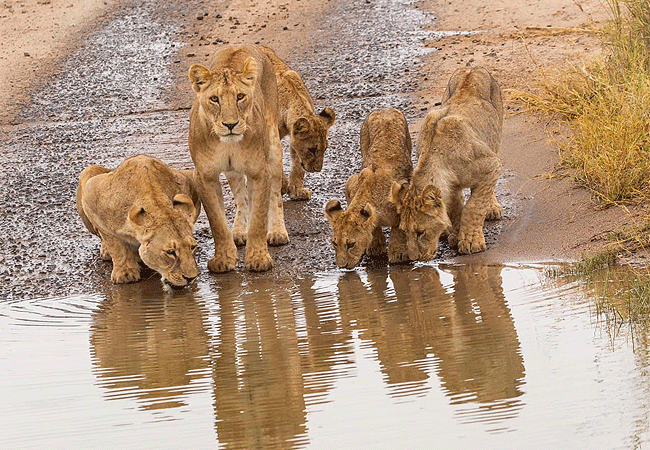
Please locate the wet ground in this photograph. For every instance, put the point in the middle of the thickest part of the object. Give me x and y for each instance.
(117, 96)
(304, 355)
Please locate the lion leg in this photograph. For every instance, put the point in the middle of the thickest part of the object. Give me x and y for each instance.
(397, 246)
(237, 182)
(455, 206)
(104, 254)
(225, 250)
(470, 237)
(296, 187)
(494, 212)
(257, 257)
(84, 177)
(277, 231)
(126, 261)
(378, 245)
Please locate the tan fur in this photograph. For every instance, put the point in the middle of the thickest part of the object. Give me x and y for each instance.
(307, 131)
(386, 159)
(239, 91)
(143, 210)
(458, 148)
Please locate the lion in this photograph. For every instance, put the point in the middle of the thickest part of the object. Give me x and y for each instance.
(458, 148)
(307, 131)
(386, 159)
(234, 130)
(142, 211)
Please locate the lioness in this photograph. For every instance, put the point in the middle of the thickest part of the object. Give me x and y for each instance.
(307, 131)
(143, 210)
(234, 130)
(386, 159)
(458, 148)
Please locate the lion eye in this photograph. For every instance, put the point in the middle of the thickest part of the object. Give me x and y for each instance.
(171, 253)
(334, 244)
(313, 150)
(351, 245)
(419, 234)
(214, 99)
(240, 96)
(193, 248)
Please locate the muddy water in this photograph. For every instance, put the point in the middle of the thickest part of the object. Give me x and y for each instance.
(456, 356)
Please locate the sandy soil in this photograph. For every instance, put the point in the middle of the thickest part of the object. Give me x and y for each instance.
(34, 36)
(546, 216)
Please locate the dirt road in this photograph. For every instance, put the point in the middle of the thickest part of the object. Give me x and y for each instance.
(111, 83)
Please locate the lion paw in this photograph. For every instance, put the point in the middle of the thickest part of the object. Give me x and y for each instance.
(218, 266)
(277, 238)
(452, 239)
(239, 237)
(476, 245)
(494, 213)
(224, 260)
(258, 261)
(104, 254)
(397, 257)
(300, 194)
(121, 275)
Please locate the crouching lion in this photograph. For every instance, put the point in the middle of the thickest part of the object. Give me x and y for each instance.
(458, 148)
(386, 159)
(142, 211)
(234, 130)
(306, 129)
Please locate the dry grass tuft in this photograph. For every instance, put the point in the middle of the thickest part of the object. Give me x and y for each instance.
(607, 106)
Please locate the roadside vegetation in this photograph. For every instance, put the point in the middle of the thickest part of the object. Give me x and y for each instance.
(606, 106)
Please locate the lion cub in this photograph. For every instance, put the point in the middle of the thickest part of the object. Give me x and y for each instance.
(307, 131)
(386, 159)
(143, 210)
(458, 148)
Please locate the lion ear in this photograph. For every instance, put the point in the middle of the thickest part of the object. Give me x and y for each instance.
(328, 116)
(300, 127)
(199, 75)
(137, 216)
(333, 209)
(249, 71)
(397, 193)
(368, 211)
(185, 205)
(431, 198)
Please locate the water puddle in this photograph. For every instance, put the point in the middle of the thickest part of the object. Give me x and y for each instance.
(399, 357)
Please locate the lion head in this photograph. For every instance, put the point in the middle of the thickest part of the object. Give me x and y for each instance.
(351, 231)
(166, 242)
(423, 218)
(225, 98)
(309, 138)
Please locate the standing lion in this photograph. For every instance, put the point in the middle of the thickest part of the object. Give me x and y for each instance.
(458, 148)
(234, 130)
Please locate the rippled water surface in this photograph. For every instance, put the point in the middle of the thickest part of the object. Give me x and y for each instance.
(427, 357)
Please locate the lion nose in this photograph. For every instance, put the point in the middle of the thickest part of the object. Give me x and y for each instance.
(188, 280)
(230, 126)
